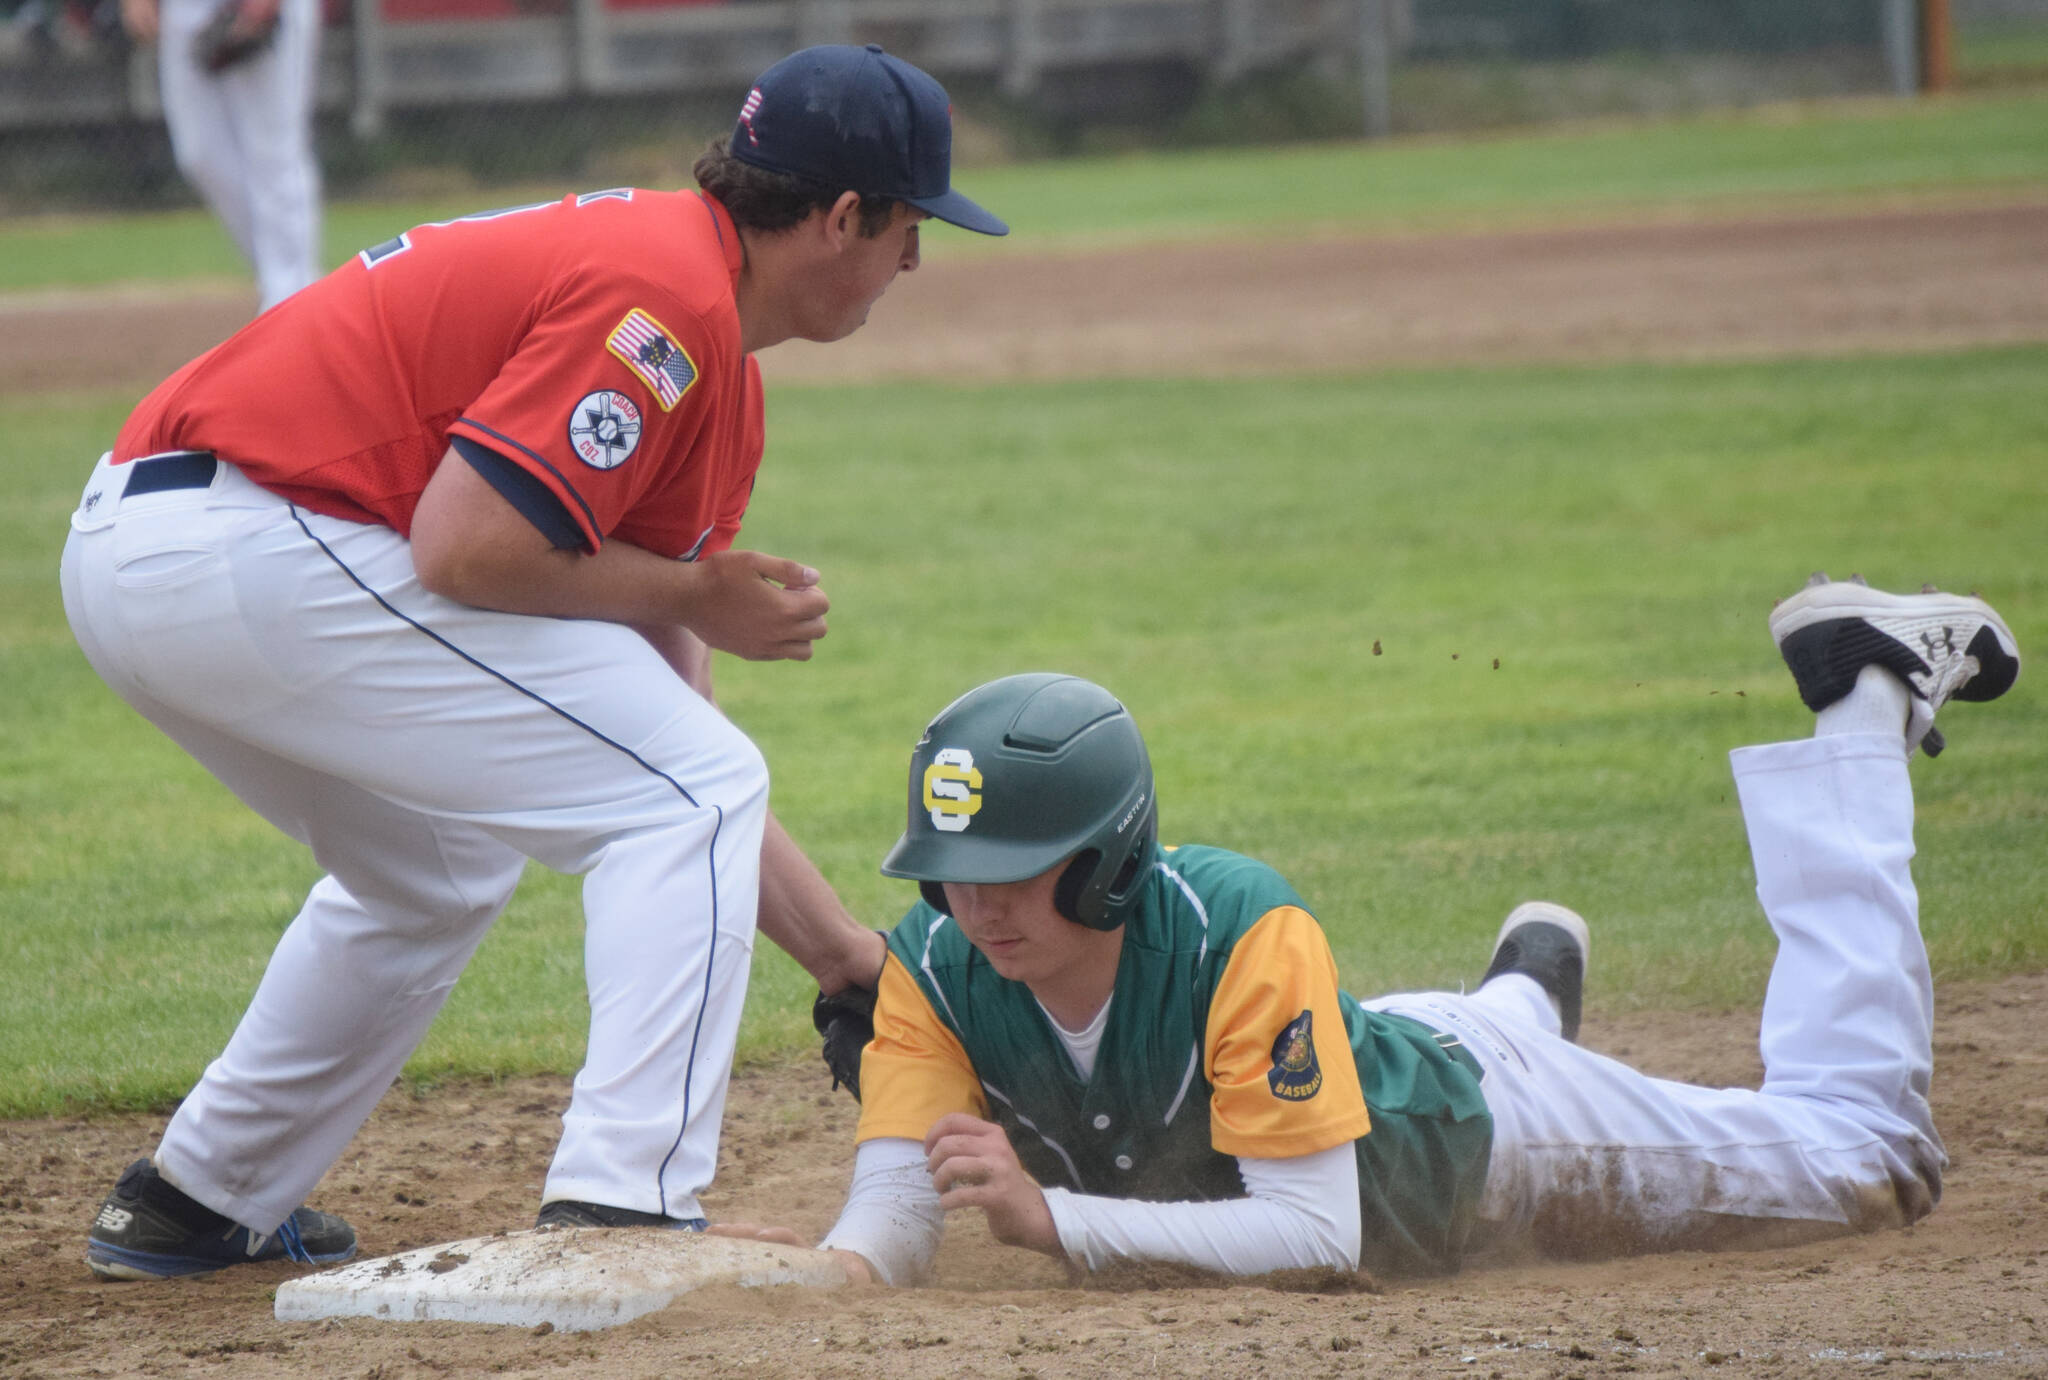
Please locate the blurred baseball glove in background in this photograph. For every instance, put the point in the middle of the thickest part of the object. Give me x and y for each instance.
(237, 32)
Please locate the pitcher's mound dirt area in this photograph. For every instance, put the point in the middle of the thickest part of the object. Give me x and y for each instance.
(1963, 1294)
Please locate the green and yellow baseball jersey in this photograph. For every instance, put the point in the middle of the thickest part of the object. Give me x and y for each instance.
(1226, 1036)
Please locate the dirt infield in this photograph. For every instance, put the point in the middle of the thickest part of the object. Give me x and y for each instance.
(1963, 1294)
(1917, 278)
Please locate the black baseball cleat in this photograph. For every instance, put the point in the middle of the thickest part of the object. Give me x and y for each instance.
(1943, 646)
(570, 1212)
(147, 1229)
(1544, 941)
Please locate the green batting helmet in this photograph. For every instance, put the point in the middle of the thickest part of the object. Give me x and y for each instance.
(1024, 773)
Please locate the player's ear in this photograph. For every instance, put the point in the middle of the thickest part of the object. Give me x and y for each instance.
(842, 220)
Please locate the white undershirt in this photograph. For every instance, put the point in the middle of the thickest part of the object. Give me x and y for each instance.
(1083, 1044)
(1300, 1212)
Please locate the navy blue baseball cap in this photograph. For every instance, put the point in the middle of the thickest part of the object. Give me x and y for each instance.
(860, 119)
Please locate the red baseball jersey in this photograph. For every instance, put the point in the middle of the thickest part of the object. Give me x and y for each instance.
(594, 341)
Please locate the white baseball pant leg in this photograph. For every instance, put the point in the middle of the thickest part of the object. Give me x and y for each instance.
(424, 749)
(1592, 1157)
(244, 138)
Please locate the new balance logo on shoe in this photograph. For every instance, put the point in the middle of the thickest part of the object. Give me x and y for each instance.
(149, 1229)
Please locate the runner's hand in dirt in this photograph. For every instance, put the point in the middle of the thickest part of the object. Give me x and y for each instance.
(858, 1271)
(973, 1166)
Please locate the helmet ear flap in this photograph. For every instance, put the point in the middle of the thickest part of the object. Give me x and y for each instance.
(1136, 861)
(1066, 893)
(934, 894)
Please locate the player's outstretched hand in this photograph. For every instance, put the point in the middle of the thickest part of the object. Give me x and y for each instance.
(754, 1231)
(858, 1271)
(973, 1166)
(759, 607)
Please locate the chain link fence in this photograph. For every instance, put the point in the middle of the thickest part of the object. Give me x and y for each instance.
(418, 92)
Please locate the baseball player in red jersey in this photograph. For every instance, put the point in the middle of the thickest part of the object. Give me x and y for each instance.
(426, 566)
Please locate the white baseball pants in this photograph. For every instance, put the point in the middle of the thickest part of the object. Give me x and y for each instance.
(244, 138)
(1591, 1157)
(424, 750)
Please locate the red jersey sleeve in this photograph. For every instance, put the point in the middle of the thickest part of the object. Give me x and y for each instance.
(613, 400)
(735, 434)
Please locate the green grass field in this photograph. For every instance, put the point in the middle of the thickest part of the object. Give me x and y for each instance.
(1780, 155)
(1992, 51)
(1302, 589)
(1432, 642)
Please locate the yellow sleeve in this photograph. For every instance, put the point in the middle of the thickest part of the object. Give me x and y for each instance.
(914, 1071)
(1279, 1058)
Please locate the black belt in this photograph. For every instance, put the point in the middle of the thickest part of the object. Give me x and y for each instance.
(178, 469)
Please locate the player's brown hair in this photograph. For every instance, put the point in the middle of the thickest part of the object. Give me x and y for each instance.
(758, 199)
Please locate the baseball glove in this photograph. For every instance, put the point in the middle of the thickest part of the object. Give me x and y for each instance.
(232, 37)
(847, 1021)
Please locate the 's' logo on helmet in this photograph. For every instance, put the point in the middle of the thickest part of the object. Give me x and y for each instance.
(952, 789)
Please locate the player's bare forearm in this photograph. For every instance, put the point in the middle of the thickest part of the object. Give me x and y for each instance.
(804, 917)
(471, 545)
(973, 1165)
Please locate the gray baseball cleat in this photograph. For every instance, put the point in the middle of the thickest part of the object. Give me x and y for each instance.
(1547, 942)
(1943, 646)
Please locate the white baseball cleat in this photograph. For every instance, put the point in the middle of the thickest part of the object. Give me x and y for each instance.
(1943, 646)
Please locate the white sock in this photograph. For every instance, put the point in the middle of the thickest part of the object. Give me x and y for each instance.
(1880, 703)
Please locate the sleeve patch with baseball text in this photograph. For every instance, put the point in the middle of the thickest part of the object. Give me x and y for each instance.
(650, 350)
(1296, 1075)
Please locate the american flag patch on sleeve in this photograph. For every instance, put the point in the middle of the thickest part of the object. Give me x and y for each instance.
(654, 357)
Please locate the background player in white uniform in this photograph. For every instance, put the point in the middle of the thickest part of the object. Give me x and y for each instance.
(243, 135)
(1588, 1156)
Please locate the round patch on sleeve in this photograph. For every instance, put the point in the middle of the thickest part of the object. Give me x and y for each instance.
(604, 429)
(1295, 1075)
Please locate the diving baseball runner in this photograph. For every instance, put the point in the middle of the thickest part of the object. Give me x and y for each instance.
(1220, 1059)
(1126, 1053)
(426, 566)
